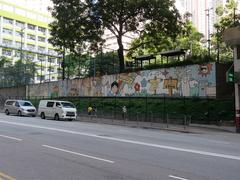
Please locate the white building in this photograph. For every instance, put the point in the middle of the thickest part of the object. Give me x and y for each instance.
(202, 11)
(26, 31)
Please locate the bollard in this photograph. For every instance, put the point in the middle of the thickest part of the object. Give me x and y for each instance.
(167, 120)
(185, 121)
(151, 118)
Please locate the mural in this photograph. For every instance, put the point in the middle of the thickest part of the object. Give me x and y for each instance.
(192, 80)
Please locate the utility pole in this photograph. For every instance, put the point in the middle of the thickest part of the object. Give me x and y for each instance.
(209, 35)
(63, 64)
(21, 57)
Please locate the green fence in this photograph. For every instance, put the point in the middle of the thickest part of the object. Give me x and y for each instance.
(157, 109)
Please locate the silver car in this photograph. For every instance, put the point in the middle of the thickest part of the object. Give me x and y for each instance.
(19, 107)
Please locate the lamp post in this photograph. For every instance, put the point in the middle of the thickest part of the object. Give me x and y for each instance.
(21, 56)
(209, 38)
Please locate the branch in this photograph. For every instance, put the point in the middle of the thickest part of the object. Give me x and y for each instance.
(137, 46)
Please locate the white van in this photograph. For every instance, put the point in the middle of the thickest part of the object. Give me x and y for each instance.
(57, 110)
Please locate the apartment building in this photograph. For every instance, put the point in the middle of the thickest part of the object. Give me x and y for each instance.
(24, 33)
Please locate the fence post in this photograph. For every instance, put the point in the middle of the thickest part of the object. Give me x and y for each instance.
(151, 118)
(167, 120)
(146, 109)
(129, 105)
(115, 104)
(164, 107)
(185, 121)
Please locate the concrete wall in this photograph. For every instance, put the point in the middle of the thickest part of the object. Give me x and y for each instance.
(192, 80)
(11, 92)
(224, 89)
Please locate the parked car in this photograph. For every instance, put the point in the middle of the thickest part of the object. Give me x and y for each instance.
(57, 110)
(19, 107)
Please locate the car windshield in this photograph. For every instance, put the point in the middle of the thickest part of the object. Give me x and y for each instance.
(67, 105)
(25, 103)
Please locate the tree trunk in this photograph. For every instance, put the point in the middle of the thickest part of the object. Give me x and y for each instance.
(120, 55)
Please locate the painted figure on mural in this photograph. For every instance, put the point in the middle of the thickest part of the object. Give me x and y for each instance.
(114, 89)
(55, 91)
(154, 84)
(97, 83)
(185, 87)
(205, 69)
(194, 89)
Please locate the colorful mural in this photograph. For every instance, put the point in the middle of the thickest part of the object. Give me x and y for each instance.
(192, 80)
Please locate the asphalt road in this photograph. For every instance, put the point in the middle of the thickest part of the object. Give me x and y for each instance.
(36, 149)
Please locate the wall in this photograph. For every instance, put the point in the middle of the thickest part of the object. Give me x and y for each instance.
(11, 92)
(192, 80)
(222, 85)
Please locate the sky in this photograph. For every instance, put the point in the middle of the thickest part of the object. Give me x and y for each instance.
(39, 5)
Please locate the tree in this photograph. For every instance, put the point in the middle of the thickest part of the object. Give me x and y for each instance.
(227, 18)
(16, 74)
(104, 63)
(188, 38)
(78, 22)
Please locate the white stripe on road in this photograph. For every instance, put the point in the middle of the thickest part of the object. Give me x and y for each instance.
(9, 137)
(175, 177)
(78, 154)
(226, 156)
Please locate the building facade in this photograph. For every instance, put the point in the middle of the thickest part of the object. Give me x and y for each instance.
(24, 34)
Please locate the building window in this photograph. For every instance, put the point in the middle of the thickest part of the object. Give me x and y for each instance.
(31, 37)
(20, 11)
(41, 49)
(7, 42)
(51, 59)
(51, 52)
(31, 47)
(18, 54)
(18, 34)
(8, 21)
(6, 52)
(8, 8)
(40, 78)
(30, 57)
(41, 29)
(18, 44)
(20, 24)
(7, 31)
(41, 58)
(32, 27)
(41, 39)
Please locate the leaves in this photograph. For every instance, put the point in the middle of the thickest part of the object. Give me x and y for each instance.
(79, 25)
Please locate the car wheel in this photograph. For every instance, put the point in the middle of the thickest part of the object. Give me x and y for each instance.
(56, 117)
(70, 119)
(33, 115)
(42, 115)
(19, 113)
(7, 112)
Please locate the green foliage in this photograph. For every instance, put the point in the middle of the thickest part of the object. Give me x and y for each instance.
(79, 25)
(188, 38)
(20, 73)
(201, 110)
(228, 17)
(103, 63)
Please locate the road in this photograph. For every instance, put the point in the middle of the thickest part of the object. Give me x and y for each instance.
(36, 149)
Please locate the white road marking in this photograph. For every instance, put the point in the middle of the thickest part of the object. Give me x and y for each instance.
(9, 137)
(78, 154)
(226, 156)
(176, 177)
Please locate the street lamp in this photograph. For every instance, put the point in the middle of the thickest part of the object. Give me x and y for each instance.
(21, 55)
(209, 38)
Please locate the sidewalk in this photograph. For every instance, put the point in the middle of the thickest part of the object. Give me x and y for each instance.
(192, 128)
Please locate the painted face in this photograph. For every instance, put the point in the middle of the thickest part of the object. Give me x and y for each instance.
(114, 89)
